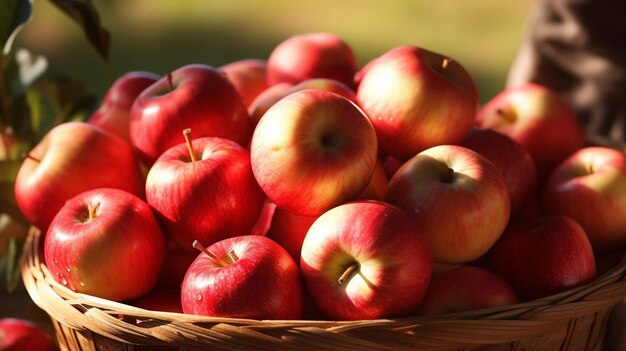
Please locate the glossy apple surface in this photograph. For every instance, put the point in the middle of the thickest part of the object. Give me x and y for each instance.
(248, 76)
(18, 334)
(253, 277)
(107, 243)
(313, 150)
(366, 260)
(457, 196)
(417, 99)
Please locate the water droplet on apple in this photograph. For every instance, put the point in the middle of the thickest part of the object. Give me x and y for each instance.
(82, 284)
(68, 270)
(199, 297)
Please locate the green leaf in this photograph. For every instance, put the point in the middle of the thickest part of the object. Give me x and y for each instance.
(84, 13)
(13, 15)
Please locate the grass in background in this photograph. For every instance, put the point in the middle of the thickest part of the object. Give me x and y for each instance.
(161, 35)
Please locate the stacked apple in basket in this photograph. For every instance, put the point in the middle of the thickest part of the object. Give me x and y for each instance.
(306, 186)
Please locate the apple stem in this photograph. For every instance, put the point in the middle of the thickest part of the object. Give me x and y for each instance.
(196, 244)
(348, 273)
(186, 133)
(506, 114)
(233, 256)
(29, 156)
(93, 210)
(445, 63)
(170, 81)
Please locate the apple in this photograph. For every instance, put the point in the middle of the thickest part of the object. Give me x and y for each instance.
(71, 158)
(204, 190)
(514, 162)
(545, 256)
(590, 187)
(193, 96)
(539, 120)
(162, 300)
(312, 55)
(263, 222)
(467, 288)
(417, 99)
(457, 196)
(105, 242)
(248, 76)
(377, 186)
(175, 265)
(366, 260)
(17, 334)
(247, 276)
(312, 151)
(289, 229)
(261, 105)
(114, 113)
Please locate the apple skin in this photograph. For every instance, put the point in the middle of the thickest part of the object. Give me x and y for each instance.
(417, 99)
(114, 114)
(175, 264)
(162, 300)
(312, 55)
(392, 253)
(467, 288)
(289, 229)
(105, 242)
(273, 95)
(171, 105)
(74, 157)
(457, 196)
(208, 200)
(539, 120)
(312, 151)
(262, 283)
(248, 76)
(18, 334)
(590, 187)
(377, 186)
(516, 165)
(543, 257)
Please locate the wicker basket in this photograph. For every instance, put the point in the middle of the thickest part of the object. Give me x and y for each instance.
(572, 320)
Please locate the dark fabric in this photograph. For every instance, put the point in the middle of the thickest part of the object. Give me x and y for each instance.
(578, 48)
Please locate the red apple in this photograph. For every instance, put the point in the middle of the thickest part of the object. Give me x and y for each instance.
(467, 288)
(366, 260)
(73, 157)
(457, 196)
(114, 113)
(312, 55)
(107, 243)
(248, 76)
(276, 92)
(244, 277)
(542, 257)
(377, 186)
(517, 167)
(207, 194)
(312, 151)
(18, 334)
(263, 222)
(539, 120)
(417, 99)
(193, 96)
(590, 187)
(175, 265)
(162, 300)
(289, 229)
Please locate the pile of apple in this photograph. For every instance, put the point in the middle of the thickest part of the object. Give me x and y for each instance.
(305, 186)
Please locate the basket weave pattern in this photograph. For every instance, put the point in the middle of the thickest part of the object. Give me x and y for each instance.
(572, 320)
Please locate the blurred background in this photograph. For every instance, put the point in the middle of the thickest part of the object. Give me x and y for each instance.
(162, 35)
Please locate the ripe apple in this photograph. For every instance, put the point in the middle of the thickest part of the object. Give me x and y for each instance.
(247, 276)
(204, 190)
(248, 76)
(377, 186)
(366, 260)
(175, 265)
(105, 242)
(163, 300)
(590, 187)
(516, 165)
(17, 334)
(194, 96)
(312, 55)
(539, 120)
(544, 256)
(457, 196)
(467, 288)
(261, 105)
(289, 229)
(71, 158)
(114, 113)
(312, 151)
(417, 99)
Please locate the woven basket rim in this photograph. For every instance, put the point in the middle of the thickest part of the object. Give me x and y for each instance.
(478, 327)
